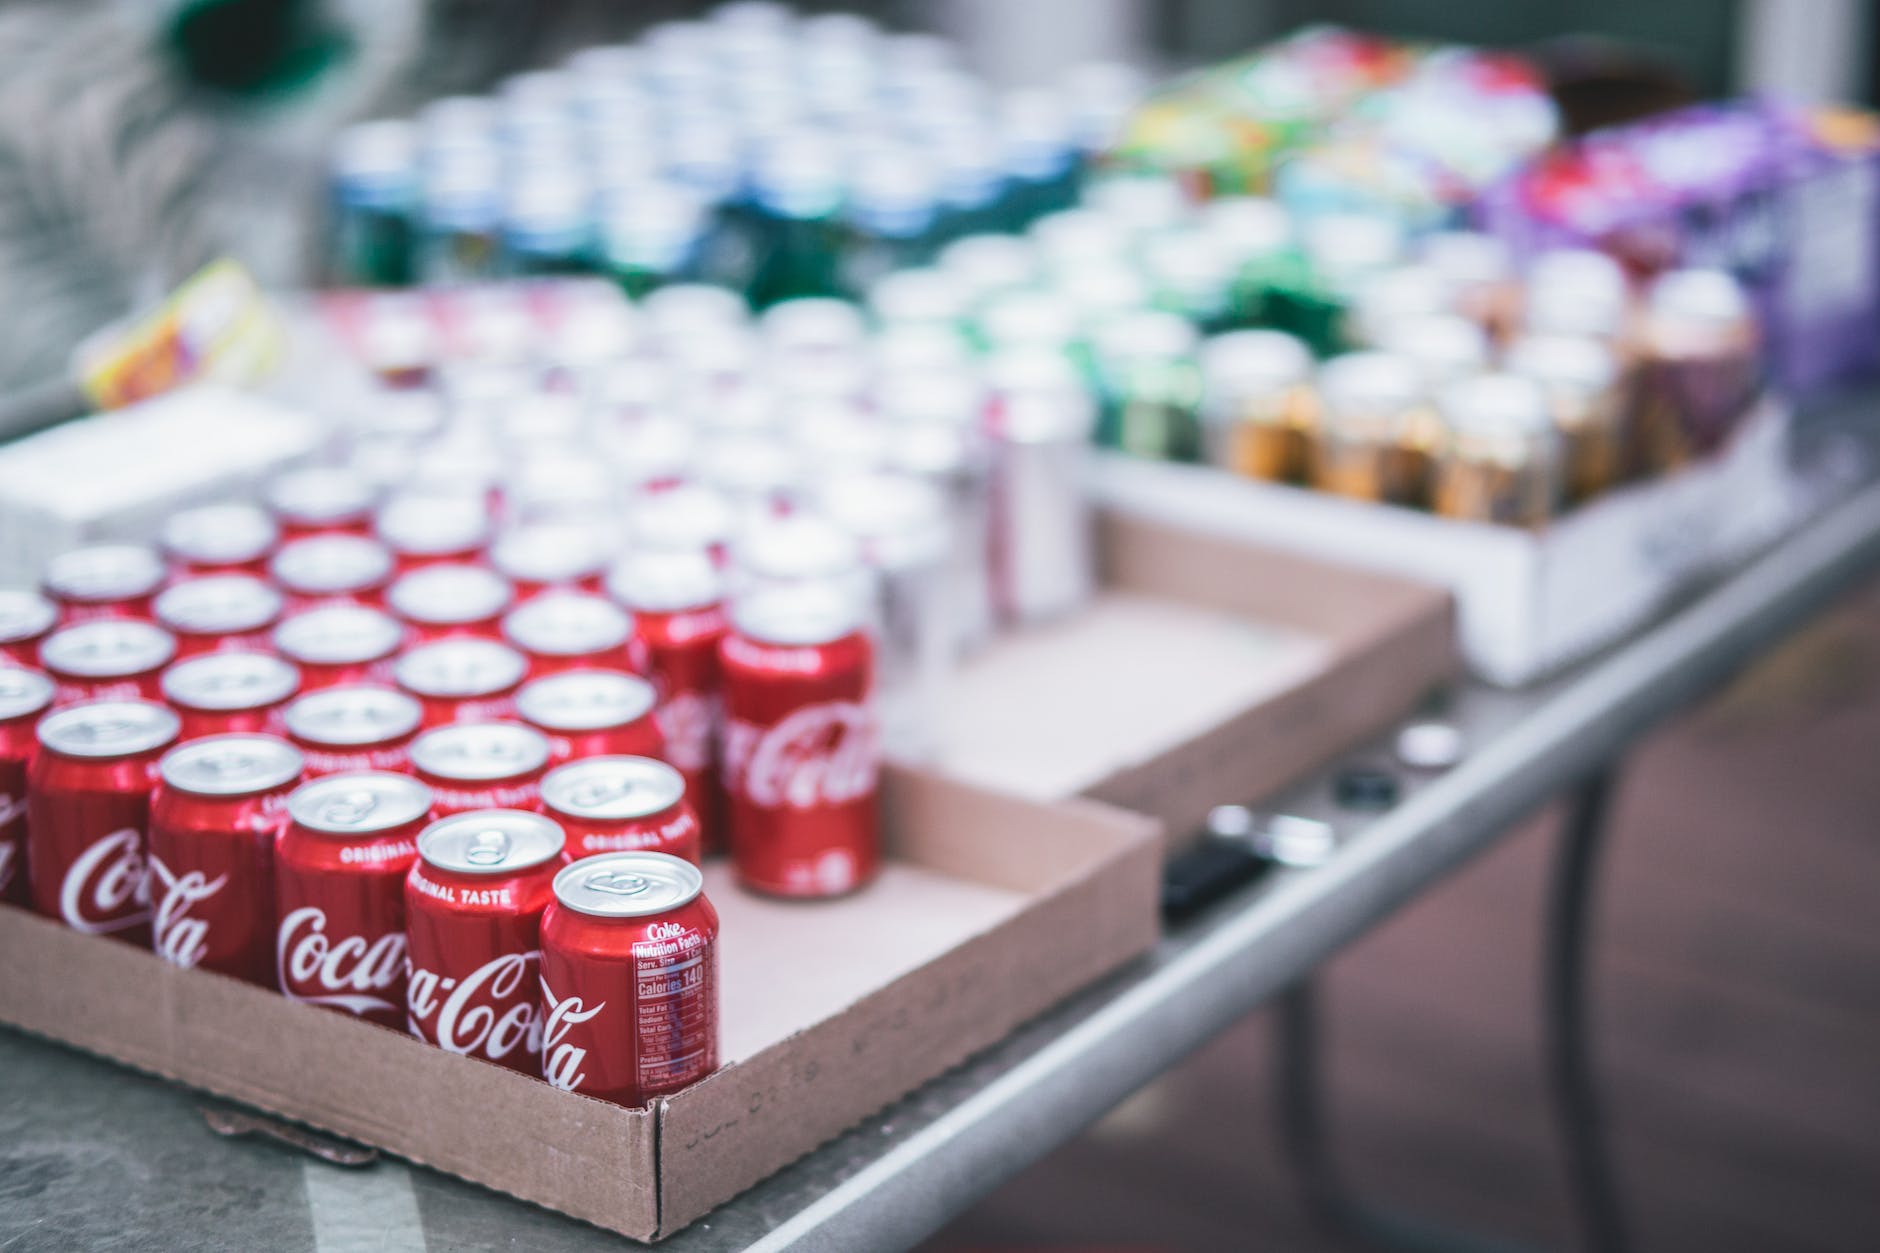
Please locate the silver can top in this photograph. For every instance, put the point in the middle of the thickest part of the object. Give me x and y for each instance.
(25, 614)
(665, 582)
(465, 667)
(567, 624)
(585, 700)
(628, 885)
(331, 563)
(319, 495)
(801, 614)
(491, 841)
(480, 751)
(613, 789)
(338, 634)
(359, 803)
(219, 533)
(900, 520)
(1568, 362)
(429, 523)
(1369, 383)
(1700, 297)
(231, 765)
(220, 602)
(350, 716)
(1496, 405)
(107, 649)
(797, 546)
(223, 681)
(449, 593)
(687, 517)
(104, 572)
(1240, 364)
(108, 728)
(22, 692)
(549, 552)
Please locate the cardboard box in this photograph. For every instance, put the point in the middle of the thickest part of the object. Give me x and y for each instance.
(1208, 671)
(989, 911)
(1530, 601)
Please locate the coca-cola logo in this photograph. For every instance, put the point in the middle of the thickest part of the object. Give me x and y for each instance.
(350, 972)
(180, 939)
(475, 1014)
(818, 755)
(666, 930)
(686, 720)
(562, 1061)
(107, 889)
(12, 809)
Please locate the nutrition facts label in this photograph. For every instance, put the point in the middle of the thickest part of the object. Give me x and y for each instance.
(675, 1011)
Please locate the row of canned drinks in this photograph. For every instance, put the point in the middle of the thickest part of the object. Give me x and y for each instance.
(780, 155)
(799, 444)
(1339, 351)
(478, 682)
(574, 943)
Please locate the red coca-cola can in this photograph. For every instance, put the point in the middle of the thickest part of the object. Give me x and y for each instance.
(801, 743)
(629, 978)
(339, 892)
(473, 916)
(560, 631)
(219, 807)
(675, 599)
(24, 696)
(622, 805)
(481, 765)
(219, 613)
(430, 528)
(442, 602)
(462, 680)
(87, 812)
(107, 659)
(104, 581)
(543, 556)
(593, 713)
(219, 539)
(320, 500)
(341, 646)
(26, 619)
(324, 570)
(230, 693)
(345, 729)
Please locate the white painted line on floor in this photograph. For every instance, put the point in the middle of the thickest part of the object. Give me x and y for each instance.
(372, 1210)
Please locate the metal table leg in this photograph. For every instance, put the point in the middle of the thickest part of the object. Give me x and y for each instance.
(1578, 1111)
(1304, 1127)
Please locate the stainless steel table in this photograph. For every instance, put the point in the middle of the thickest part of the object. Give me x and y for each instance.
(90, 1155)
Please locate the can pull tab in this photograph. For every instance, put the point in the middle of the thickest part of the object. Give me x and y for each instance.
(614, 883)
(488, 848)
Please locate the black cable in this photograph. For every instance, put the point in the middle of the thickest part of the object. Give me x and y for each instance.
(1591, 1177)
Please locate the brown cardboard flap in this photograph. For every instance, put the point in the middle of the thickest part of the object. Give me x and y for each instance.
(583, 1157)
(1091, 875)
(1265, 584)
(1207, 671)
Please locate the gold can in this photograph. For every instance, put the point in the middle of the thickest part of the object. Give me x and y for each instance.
(1373, 437)
(1585, 391)
(1500, 458)
(1257, 407)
